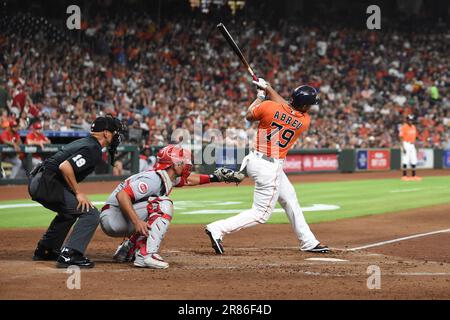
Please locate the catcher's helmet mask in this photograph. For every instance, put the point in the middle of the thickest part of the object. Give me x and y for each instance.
(173, 155)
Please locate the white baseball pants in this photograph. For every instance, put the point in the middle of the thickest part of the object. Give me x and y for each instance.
(271, 185)
(409, 155)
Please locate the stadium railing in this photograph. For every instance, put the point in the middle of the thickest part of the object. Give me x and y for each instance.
(299, 161)
(127, 154)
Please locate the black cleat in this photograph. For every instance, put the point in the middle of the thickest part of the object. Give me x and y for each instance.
(43, 253)
(319, 249)
(70, 257)
(125, 252)
(216, 243)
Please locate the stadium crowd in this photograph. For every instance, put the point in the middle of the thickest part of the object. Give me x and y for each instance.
(182, 74)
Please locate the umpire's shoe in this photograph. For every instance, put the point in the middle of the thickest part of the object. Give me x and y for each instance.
(70, 257)
(43, 253)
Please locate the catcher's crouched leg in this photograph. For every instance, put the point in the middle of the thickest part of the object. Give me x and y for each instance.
(160, 214)
(114, 224)
(117, 225)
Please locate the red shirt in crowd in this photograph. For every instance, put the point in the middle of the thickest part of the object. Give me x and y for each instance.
(34, 110)
(8, 136)
(36, 136)
(19, 100)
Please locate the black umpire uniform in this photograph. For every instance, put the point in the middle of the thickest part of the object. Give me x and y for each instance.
(48, 186)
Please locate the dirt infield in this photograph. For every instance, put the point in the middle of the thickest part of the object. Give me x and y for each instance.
(260, 263)
(12, 192)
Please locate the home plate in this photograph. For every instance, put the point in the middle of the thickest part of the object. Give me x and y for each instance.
(326, 259)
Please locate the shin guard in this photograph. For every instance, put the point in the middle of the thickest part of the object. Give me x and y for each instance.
(160, 212)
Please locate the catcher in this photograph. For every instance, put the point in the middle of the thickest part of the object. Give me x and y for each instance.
(139, 207)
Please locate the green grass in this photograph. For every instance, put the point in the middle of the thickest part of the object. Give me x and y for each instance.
(355, 198)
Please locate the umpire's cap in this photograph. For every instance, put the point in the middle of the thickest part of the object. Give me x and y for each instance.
(304, 95)
(106, 123)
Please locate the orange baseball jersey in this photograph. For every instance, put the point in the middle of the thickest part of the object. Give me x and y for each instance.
(408, 133)
(279, 127)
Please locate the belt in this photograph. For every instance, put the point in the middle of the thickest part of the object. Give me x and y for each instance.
(265, 157)
(270, 159)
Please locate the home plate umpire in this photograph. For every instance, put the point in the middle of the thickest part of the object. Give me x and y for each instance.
(55, 185)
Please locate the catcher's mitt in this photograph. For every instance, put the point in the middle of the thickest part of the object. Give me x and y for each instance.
(228, 175)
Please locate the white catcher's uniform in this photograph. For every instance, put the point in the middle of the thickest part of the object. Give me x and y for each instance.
(271, 182)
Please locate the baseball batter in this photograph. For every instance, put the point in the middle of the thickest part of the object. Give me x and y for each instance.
(408, 136)
(140, 207)
(280, 125)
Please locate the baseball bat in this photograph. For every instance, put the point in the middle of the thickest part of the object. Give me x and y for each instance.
(236, 49)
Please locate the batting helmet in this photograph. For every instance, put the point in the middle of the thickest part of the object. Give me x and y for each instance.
(304, 95)
(173, 154)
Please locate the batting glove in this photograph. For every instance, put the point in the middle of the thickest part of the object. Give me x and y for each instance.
(261, 83)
